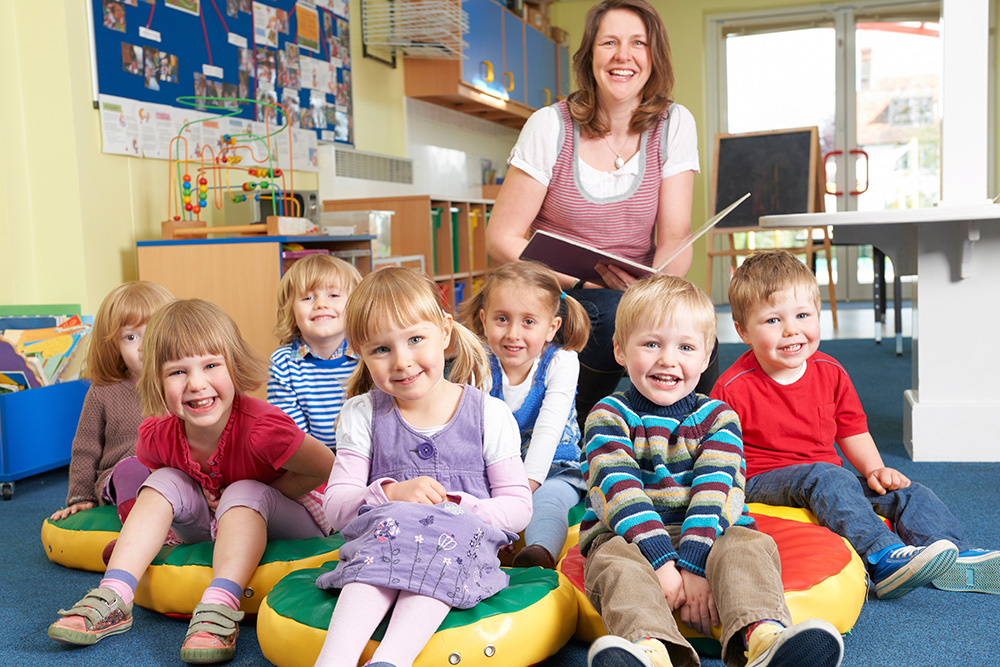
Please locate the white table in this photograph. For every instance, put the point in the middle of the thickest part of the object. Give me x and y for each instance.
(952, 412)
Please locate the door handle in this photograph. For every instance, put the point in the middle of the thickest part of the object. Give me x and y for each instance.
(826, 180)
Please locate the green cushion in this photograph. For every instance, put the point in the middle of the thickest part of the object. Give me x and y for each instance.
(103, 518)
(296, 597)
(200, 554)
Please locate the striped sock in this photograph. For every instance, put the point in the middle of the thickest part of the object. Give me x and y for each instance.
(223, 591)
(122, 583)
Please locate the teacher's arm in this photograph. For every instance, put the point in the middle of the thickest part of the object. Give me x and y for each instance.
(517, 205)
(673, 222)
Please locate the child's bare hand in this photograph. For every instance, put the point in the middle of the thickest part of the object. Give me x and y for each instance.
(72, 509)
(212, 498)
(881, 480)
(671, 584)
(699, 611)
(424, 490)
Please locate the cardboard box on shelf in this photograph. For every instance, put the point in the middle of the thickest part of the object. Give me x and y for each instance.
(537, 20)
(558, 35)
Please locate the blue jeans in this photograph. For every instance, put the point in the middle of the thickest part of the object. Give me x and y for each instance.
(549, 524)
(843, 503)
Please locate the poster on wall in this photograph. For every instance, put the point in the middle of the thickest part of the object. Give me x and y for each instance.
(163, 63)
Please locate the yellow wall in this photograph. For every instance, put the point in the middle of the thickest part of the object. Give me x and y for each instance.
(70, 215)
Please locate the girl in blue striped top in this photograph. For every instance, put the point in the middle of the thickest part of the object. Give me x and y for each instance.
(308, 372)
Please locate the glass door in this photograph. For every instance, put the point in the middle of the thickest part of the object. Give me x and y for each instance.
(868, 75)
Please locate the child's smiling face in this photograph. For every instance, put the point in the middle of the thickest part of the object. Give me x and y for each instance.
(665, 360)
(319, 315)
(783, 332)
(518, 323)
(199, 391)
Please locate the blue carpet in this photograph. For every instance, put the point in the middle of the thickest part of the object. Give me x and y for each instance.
(926, 628)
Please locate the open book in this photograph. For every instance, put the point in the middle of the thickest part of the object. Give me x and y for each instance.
(579, 259)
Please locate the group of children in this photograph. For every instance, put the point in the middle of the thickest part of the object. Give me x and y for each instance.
(463, 433)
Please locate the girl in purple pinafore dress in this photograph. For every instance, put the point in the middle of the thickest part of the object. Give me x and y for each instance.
(428, 483)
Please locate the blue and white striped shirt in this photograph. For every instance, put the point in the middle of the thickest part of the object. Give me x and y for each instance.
(308, 389)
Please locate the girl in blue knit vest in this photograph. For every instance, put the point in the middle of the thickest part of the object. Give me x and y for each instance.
(519, 311)
(428, 481)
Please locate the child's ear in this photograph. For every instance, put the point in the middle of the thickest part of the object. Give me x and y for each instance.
(482, 318)
(553, 328)
(449, 324)
(619, 357)
(741, 332)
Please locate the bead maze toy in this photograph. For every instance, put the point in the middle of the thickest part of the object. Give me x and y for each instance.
(232, 172)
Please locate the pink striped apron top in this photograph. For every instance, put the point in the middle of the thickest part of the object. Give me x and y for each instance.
(624, 224)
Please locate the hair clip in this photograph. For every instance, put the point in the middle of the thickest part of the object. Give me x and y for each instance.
(562, 296)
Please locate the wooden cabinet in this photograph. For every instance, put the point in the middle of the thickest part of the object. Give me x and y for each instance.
(241, 275)
(508, 69)
(450, 234)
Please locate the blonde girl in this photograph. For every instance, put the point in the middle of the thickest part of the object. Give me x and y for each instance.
(307, 374)
(225, 466)
(103, 469)
(520, 311)
(427, 481)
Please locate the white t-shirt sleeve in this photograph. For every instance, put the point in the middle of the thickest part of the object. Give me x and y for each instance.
(354, 426)
(502, 439)
(537, 146)
(682, 143)
(560, 393)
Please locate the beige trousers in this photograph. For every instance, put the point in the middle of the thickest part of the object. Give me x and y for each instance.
(743, 571)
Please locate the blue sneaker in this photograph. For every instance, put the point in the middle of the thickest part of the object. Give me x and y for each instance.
(905, 569)
(976, 570)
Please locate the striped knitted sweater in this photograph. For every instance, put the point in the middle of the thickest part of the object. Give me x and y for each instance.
(650, 466)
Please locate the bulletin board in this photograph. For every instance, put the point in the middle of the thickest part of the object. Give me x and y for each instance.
(153, 55)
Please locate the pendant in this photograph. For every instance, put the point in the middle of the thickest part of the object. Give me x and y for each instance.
(619, 162)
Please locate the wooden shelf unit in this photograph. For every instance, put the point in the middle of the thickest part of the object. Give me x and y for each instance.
(454, 251)
(240, 275)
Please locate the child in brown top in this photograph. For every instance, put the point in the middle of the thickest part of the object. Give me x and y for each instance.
(103, 469)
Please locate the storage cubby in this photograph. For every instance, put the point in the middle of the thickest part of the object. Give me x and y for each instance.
(449, 233)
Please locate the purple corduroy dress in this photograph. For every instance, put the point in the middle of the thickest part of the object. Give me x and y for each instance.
(441, 551)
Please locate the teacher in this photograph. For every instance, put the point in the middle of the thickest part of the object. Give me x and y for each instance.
(611, 166)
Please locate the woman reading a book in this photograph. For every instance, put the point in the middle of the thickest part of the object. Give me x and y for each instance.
(612, 167)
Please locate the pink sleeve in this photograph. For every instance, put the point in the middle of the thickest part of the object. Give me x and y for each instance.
(510, 504)
(346, 491)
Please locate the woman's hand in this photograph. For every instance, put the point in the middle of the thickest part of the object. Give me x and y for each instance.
(72, 509)
(615, 277)
(424, 490)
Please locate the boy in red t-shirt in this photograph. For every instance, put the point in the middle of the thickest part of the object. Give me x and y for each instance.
(795, 404)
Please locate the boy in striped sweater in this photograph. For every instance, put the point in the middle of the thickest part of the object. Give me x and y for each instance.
(307, 374)
(666, 526)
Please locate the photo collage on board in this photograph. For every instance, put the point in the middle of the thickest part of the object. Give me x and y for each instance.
(296, 54)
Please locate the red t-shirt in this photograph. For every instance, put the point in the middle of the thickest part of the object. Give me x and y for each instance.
(786, 425)
(258, 439)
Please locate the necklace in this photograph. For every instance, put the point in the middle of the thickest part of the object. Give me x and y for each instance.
(619, 162)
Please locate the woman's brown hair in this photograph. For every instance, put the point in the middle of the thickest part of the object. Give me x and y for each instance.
(583, 104)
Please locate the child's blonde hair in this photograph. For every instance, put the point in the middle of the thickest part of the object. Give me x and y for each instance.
(656, 299)
(309, 273)
(130, 304)
(402, 297)
(193, 328)
(762, 275)
(575, 328)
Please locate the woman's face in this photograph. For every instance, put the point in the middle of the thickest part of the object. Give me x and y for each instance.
(621, 57)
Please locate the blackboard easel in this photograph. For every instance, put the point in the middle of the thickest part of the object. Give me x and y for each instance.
(782, 169)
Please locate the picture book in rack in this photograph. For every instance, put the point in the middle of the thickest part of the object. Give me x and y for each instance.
(579, 260)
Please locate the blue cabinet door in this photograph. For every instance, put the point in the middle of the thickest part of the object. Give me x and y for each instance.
(513, 53)
(541, 66)
(564, 67)
(482, 65)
